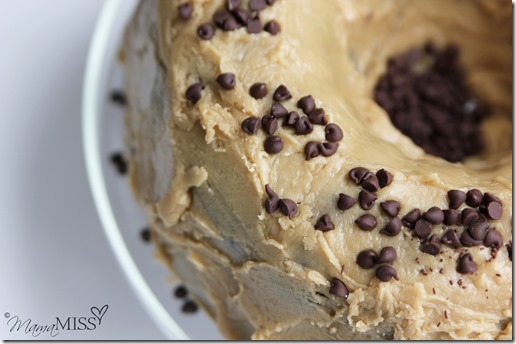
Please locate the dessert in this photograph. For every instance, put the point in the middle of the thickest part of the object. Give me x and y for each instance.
(268, 147)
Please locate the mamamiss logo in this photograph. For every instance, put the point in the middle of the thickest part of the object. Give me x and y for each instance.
(84, 323)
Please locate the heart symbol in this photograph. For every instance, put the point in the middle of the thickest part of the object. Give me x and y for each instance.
(99, 313)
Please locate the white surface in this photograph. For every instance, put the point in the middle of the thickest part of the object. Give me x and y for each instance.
(55, 257)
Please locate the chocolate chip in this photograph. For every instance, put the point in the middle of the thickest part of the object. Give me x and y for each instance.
(257, 5)
(489, 197)
(118, 97)
(345, 202)
(509, 249)
(384, 178)
(270, 2)
(254, 26)
(292, 119)
(287, 207)
(271, 203)
(434, 215)
(468, 241)
(357, 174)
(220, 17)
(328, 148)
(272, 27)
(241, 15)
(180, 292)
(226, 80)
(474, 198)
(258, 90)
(392, 228)
(333, 133)
(338, 288)
(232, 5)
(366, 259)
(119, 162)
(451, 217)
(456, 198)
(250, 125)
(317, 116)
(387, 255)
(432, 245)
(451, 238)
(370, 183)
(193, 92)
(231, 24)
(493, 210)
(273, 144)
(324, 223)
(278, 110)
(269, 124)
(466, 264)
(145, 234)
(206, 31)
(366, 199)
(303, 126)
(423, 228)
(391, 208)
(185, 10)
(189, 307)
(312, 150)
(493, 239)
(478, 230)
(307, 104)
(469, 216)
(281, 93)
(386, 272)
(367, 222)
(410, 219)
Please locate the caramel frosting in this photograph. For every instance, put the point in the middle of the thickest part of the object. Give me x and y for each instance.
(202, 179)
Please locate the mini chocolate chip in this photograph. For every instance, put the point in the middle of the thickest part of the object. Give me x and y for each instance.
(366, 199)
(271, 203)
(366, 259)
(312, 150)
(386, 272)
(474, 198)
(410, 219)
(466, 264)
(118, 97)
(317, 116)
(432, 245)
(250, 125)
(273, 144)
(307, 104)
(469, 216)
(391, 208)
(287, 207)
(493, 210)
(231, 24)
(328, 148)
(423, 228)
(345, 202)
(185, 10)
(272, 27)
(489, 197)
(257, 5)
(451, 217)
(357, 174)
(241, 15)
(269, 124)
(392, 228)
(434, 215)
(281, 93)
(493, 239)
(367, 222)
(227, 80)
(292, 118)
(387, 255)
(324, 223)
(220, 17)
(232, 4)
(258, 90)
(278, 110)
(193, 92)
(478, 230)
(384, 178)
(119, 162)
(468, 241)
(451, 238)
(206, 31)
(303, 126)
(338, 288)
(254, 26)
(370, 183)
(270, 2)
(180, 292)
(189, 307)
(145, 234)
(456, 198)
(333, 133)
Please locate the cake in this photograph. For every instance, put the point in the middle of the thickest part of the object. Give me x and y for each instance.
(335, 169)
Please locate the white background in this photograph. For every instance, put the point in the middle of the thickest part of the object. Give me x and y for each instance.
(55, 259)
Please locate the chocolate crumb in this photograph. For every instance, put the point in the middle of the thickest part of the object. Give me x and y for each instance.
(423, 272)
(120, 163)
(441, 271)
(438, 324)
(185, 10)
(338, 288)
(446, 314)
(273, 144)
(498, 275)
(281, 93)
(118, 97)
(451, 282)
(324, 223)
(433, 291)
(258, 90)
(189, 307)
(459, 282)
(145, 234)
(180, 292)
